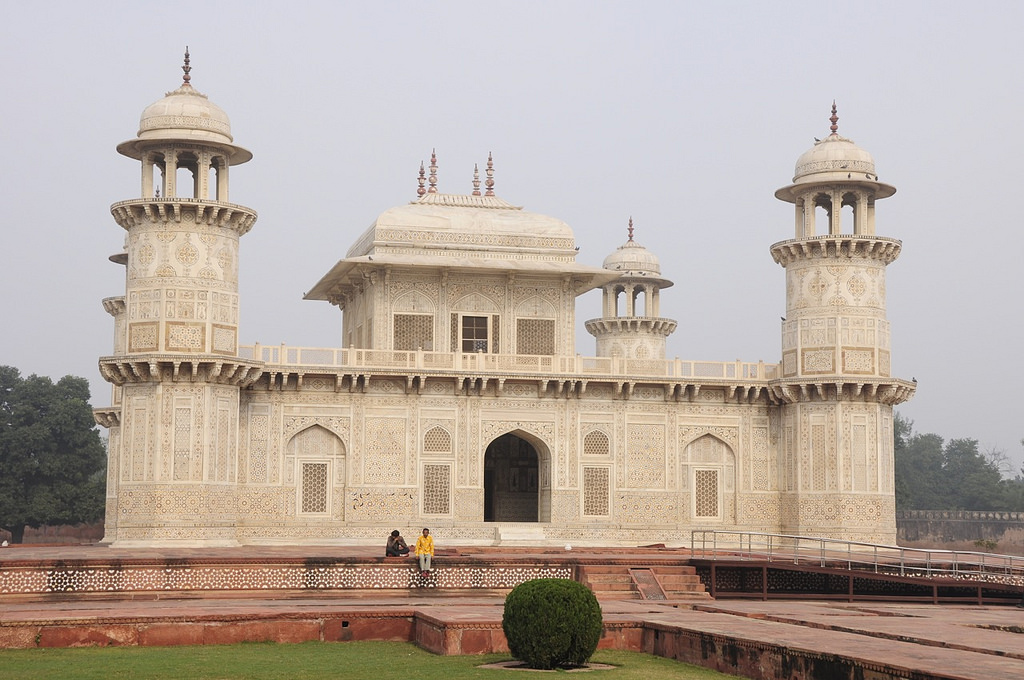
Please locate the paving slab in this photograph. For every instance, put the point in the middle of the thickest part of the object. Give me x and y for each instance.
(978, 655)
(985, 629)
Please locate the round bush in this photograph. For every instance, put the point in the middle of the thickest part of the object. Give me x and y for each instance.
(552, 623)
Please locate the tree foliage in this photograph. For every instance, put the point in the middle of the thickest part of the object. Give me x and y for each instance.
(52, 459)
(933, 474)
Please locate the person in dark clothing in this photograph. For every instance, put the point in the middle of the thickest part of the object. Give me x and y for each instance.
(396, 546)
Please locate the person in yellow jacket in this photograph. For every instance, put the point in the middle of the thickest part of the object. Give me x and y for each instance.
(425, 550)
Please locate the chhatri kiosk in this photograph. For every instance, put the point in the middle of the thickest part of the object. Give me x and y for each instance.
(455, 397)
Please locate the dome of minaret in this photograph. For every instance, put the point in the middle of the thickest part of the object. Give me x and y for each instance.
(185, 115)
(633, 258)
(835, 159)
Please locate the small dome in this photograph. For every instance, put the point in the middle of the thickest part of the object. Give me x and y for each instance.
(834, 157)
(633, 257)
(184, 115)
(185, 112)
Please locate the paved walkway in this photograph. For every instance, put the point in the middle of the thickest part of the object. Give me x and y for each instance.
(916, 640)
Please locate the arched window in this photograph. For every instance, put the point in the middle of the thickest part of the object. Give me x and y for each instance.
(437, 440)
(153, 180)
(186, 180)
(596, 443)
(712, 471)
(823, 213)
(213, 181)
(851, 205)
(319, 472)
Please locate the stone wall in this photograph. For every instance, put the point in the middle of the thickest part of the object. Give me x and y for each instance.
(961, 530)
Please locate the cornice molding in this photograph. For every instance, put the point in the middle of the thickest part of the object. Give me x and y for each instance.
(149, 368)
(878, 248)
(138, 211)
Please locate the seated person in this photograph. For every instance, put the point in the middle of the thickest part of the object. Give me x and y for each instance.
(396, 546)
(425, 550)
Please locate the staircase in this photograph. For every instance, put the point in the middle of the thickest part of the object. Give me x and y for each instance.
(681, 583)
(622, 582)
(608, 581)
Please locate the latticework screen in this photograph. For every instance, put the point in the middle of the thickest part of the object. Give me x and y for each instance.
(535, 336)
(413, 331)
(595, 491)
(314, 487)
(437, 440)
(436, 490)
(595, 443)
(706, 493)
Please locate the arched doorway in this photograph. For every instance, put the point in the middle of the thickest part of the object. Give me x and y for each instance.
(513, 487)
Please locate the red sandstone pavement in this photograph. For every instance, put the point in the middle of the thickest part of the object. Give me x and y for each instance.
(873, 634)
(941, 641)
(946, 641)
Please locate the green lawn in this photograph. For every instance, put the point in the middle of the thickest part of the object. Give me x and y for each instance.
(264, 661)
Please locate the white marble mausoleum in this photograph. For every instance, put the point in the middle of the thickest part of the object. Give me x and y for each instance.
(456, 398)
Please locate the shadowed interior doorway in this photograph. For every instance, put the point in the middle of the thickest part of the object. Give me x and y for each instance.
(511, 480)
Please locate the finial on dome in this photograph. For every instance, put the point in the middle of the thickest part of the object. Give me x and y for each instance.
(186, 68)
(476, 179)
(489, 183)
(630, 230)
(433, 172)
(834, 118)
(422, 180)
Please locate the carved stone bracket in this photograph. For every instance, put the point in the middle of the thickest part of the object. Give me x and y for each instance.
(131, 213)
(107, 417)
(818, 247)
(120, 370)
(891, 393)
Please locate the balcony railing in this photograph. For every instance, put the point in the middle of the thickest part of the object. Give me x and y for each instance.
(373, 359)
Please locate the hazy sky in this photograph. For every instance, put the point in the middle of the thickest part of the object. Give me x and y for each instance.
(687, 116)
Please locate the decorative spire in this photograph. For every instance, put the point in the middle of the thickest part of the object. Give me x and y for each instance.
(834, 118)
(433, 172)
(489, 183)
(630, 230)
(186, 68)
(476, 179)
(422, 180)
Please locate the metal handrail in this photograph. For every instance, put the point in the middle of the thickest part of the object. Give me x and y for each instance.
(880, 558)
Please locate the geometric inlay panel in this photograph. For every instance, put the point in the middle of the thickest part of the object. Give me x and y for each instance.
(436, 489)
(595, 491)
(262, 577)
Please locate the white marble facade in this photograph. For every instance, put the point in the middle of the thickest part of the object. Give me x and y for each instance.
(456, 399)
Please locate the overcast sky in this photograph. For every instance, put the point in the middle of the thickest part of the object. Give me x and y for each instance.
(687, 116)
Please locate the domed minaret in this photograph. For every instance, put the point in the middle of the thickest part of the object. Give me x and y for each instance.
(836, 389)
(632, 332)
(174, 421)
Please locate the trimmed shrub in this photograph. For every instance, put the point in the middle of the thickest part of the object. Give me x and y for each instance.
(552, 623)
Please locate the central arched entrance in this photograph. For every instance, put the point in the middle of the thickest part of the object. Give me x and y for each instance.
(513, 487)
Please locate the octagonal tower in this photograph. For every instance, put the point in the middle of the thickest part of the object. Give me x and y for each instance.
(635, 331)
(836, 388)
(174, 420)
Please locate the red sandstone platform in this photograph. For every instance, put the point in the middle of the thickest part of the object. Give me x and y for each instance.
(756, 639)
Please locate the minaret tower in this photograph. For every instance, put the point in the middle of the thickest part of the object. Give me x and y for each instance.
(633, 331)
(837, 395)
(175, 369)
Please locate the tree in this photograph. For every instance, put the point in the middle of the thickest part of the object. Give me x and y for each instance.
(918, 468)
(932, 474)
(972, 481)
(51, 455)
